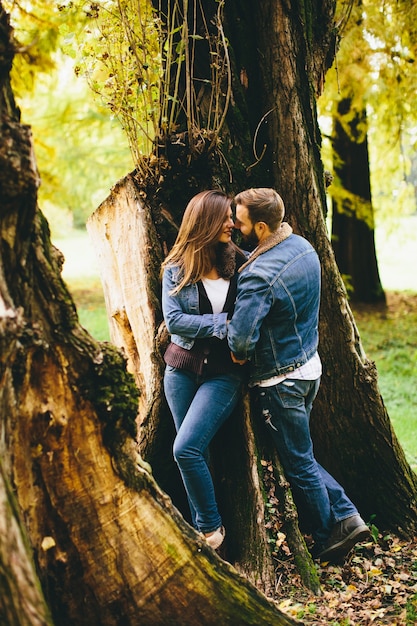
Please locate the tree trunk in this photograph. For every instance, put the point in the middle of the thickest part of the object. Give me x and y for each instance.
(353, 436)
(141, 215)
(353, 232)
(21, 599)
(108, 546)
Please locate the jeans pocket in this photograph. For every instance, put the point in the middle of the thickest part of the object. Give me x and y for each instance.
(291, 393)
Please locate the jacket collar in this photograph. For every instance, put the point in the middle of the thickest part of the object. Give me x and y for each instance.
(283, 232)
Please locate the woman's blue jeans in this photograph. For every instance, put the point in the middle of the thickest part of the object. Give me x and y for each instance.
(199, 406)
(286, 409)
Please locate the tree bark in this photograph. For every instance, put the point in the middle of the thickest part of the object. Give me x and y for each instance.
(21, 599)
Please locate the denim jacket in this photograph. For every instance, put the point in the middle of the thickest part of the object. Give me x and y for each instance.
(275, 321)
(182, 313)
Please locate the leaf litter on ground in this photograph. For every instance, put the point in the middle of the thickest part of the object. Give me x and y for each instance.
(377, 584)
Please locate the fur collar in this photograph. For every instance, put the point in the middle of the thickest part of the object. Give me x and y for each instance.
(226, 260)
(273, 240)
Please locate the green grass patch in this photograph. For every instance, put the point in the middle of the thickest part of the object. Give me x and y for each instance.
(390, 339)
(89, 299)
(411, 608)
(81, 274)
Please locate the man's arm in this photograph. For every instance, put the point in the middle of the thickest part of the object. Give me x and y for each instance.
(253, 303)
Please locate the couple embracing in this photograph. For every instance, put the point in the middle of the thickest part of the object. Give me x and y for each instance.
(233, 317)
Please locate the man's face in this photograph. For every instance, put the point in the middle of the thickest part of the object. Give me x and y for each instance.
(244, 224)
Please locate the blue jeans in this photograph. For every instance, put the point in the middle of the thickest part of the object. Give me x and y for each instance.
(286, 409)
(199, 406)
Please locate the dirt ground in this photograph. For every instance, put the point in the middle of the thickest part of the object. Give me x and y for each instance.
(398, 303)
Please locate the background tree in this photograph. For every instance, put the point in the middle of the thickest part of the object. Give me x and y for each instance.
(353, 226)
(364, 97)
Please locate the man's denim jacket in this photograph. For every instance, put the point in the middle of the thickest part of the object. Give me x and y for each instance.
(275, 321)
(182, 314)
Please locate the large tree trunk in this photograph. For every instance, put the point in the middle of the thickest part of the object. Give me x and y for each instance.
(353, 436)
(140, 214)
(108, 546)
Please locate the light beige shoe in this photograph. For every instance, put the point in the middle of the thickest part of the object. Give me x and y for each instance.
(215, 539)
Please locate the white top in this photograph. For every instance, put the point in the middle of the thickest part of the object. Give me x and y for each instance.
(216, 289)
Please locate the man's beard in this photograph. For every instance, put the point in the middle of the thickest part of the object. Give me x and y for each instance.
(251, 240)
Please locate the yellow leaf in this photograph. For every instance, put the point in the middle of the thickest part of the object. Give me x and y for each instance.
(280, 539)
(285, 604)
(374, 571)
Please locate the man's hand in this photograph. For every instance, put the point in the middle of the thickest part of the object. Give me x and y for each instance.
(237, 361)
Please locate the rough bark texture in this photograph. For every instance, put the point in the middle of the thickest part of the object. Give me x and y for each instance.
(21, 599)
(109, 548)
(129, 255)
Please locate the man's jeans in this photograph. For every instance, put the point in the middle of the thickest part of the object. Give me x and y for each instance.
(199, 406)
(286, 409)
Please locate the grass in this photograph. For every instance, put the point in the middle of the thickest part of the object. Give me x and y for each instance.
(81, 273)
(88, 296)
(389, 338)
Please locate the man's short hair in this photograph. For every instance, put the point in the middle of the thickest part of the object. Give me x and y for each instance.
(264, 205)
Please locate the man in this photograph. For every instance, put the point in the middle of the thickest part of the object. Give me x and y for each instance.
(275, 327)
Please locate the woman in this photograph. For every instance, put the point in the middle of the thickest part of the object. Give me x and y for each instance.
(201, 382)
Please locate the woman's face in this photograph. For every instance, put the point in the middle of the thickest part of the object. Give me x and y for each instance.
(227, 228)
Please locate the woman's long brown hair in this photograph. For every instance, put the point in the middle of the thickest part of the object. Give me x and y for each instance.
(194, 250)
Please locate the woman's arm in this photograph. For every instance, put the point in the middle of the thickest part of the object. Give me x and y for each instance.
(181, 312)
